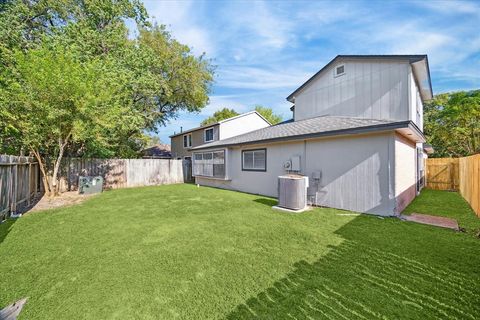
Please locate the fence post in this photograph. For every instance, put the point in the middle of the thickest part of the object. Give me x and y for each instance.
(29, 182)
(13, 186)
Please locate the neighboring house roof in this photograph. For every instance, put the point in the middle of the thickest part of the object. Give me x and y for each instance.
(312, 128)
(157, 151)
(422, 72)
(220, 122)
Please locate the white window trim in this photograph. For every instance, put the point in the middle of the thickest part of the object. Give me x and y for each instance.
(189, 140)
(335, 74)
(205, 134)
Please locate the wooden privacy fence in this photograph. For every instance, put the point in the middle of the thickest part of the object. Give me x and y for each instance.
(19, 183)
(462, 174)
(122, 173)
(442, 173)
(20, 176)
(469, 172)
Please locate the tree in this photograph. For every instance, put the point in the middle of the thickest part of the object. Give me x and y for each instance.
(452, 123)
(72, 82)
(55, 100)
(219, 115)
(268, 114)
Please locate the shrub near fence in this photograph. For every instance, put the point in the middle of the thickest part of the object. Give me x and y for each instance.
(462, 174)
(19, 183)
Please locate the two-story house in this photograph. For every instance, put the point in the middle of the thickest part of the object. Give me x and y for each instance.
(182, 142)
(357, 133)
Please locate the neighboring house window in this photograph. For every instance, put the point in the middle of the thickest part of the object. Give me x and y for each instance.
(208, 134)
(187, 140)
(209, 164)
(254, 160)
(339, 70)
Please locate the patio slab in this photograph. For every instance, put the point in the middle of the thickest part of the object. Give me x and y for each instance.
(432, 220)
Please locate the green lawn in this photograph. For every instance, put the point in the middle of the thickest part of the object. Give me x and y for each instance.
(446, 204)
(200, 253)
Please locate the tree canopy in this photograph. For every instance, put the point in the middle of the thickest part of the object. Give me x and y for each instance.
(226, 113)
(73, 82)
(452, 123)
(268, 114)
(219, 115)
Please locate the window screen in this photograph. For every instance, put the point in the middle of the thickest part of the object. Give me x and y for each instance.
(209, 164)
(209, 135)
(339, 70)
(254, 160)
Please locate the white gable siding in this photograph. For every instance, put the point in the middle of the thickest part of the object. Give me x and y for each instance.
(369, 89)
(241, 125)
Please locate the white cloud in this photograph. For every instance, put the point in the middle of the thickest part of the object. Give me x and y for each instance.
(181, 19)
(262, 78)
(451, 7)
(223, 101)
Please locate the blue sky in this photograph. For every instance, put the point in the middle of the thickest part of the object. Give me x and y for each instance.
(263, 50)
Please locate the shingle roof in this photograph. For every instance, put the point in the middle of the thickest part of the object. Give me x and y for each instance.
(158, 151)
(308, 128)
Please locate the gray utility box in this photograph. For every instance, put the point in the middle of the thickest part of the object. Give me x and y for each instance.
(89, 185)
(292, 191)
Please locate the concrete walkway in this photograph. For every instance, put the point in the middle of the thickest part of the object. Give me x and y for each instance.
(432, 220)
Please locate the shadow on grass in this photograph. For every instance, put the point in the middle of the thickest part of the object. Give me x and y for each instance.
(370, 276)
(267, 202)
(5, 228)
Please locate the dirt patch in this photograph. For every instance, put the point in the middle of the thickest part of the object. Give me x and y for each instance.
(65, 199)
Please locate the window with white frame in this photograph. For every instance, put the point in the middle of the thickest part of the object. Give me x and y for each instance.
(339, 70)
(208, 134)
(209, 164)
(254, 160)
(187, 140)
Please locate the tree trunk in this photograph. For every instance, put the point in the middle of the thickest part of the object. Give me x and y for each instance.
(43, 170)
(52, 189)
(56, 167)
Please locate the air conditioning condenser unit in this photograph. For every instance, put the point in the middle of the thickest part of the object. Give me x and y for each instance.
(292, 192)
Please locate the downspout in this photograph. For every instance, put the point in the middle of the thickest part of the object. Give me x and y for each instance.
(304, 164)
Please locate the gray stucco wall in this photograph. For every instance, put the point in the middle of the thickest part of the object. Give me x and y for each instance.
(357, 172)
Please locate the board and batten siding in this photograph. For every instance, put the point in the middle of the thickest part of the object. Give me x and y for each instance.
(372, 89)
(357, 173)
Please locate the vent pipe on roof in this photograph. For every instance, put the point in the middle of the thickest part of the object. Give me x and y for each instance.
(181, 129)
